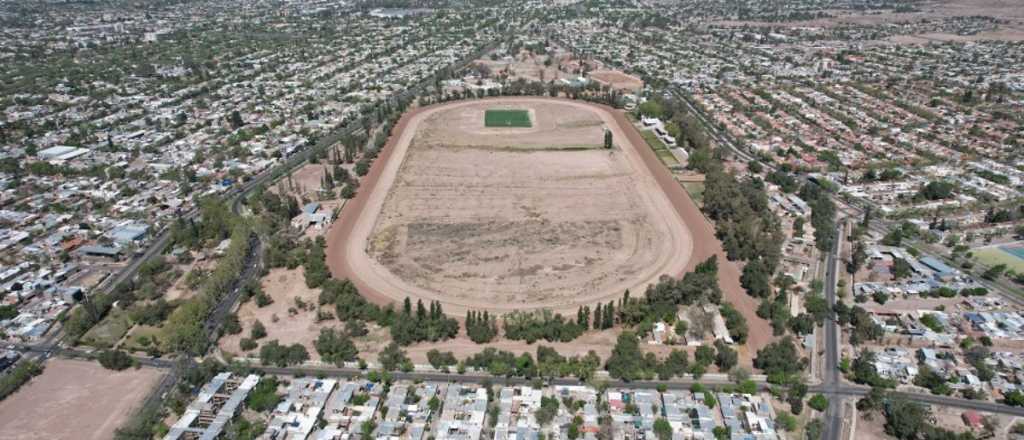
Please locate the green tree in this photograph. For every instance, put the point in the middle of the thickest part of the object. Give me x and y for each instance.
(726, 357)
(366, 429)
(626, 360)
(335, 347)
(709, 399)
(273, 353)
(704, 355)
(263, 396)
(786, 421)
(819, 402)
(994, 272)
(662, 429)
(735, 322)
(681, 327)
(756, 279)
(936, 190)
(115, 360)
(1014, 398)
(651, 108)
(236, 120)
(905, 419)
(232, 325)
(392, 357)
(814, 430)
(258, 331)
(8, 312)
(348, 191)
(17, 376)
(722, 432)
(779, 357)
(547, 411)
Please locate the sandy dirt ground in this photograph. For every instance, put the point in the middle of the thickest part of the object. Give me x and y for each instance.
(700, 228)
(1003, 33)
(872, 427)
(74, 400)
(1010, 14)
(283, 286)
(617, 80)
(1009, 10)
(601, 342)
(92, 276)
(305, 181)
(530, 67)
(459, 218)
(179, 290)
(911, 304)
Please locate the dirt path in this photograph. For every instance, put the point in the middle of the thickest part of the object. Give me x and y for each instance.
(346, 264)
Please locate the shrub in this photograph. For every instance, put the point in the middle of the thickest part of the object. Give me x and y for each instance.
(439, 359)
(258, 331)
(247, 344)
(115, 360)
(818, 402)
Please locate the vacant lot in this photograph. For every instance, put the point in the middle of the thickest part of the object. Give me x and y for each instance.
(617, 80)
(477, 219)
(291, 318)
(74, 400)
(532, 67)
(507, 118)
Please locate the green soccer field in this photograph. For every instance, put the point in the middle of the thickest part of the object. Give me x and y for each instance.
(507, 118)
(993, 255)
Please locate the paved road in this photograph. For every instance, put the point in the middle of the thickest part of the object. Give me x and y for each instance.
(834, 392)
(833, 415)
(927, 399)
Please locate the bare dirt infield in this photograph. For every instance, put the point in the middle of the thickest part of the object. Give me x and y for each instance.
(74, 400)
(704, 243)
(515, 218)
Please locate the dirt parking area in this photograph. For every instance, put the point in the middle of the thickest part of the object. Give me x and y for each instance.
(617, 80)
(75, 400)
(478, 219)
